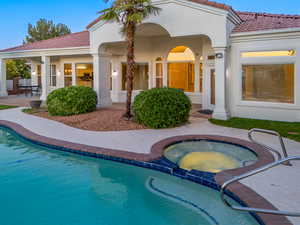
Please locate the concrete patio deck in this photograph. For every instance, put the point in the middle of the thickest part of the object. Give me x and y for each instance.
(17, 100)
(280, 186)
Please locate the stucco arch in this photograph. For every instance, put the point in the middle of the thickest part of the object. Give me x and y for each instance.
(169, 49)
(151, 29)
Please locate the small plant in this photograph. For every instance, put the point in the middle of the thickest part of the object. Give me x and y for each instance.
(162, 108)
(72, 100)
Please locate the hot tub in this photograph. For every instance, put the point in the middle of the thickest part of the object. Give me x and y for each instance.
(209, 156)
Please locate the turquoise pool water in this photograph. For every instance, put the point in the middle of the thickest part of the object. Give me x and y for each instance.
(42, 186)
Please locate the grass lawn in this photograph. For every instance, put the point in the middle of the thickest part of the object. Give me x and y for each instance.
(286, 129)
(7, 107)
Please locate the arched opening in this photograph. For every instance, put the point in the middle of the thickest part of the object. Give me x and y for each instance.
(181, 69)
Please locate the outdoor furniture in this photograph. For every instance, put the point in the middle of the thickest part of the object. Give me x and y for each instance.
(29, 89)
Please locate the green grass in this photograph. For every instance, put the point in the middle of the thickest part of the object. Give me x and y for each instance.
(2, 107)
(286, 129)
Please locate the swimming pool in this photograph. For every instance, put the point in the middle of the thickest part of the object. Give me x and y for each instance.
(209, 156)
(44, 186)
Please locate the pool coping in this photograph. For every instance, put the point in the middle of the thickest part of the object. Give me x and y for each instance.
(247, 195)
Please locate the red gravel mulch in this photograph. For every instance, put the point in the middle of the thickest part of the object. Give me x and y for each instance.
(100, 120)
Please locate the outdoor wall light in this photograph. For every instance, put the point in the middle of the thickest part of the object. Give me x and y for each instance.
(115, 73)
(219, 55)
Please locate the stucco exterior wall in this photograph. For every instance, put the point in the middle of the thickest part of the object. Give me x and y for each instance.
(270, 42)
(178, 18)
(149, 49)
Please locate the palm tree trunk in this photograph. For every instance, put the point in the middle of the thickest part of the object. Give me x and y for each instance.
(130, 34)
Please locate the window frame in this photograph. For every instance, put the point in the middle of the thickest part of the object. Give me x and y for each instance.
(123, 89)
(162, 73)
(53, 76)
(68, 76)
(76, 72)
(273, 60)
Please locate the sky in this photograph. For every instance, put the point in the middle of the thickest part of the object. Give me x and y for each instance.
(77, 14)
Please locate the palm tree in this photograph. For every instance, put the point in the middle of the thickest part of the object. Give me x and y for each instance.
(129, 14)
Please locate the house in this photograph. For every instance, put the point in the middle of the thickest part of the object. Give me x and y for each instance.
(241, 64)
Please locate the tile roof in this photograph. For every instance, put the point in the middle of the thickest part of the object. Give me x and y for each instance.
(265, 21)
(80, 39)
(252, 21)
(213, 4)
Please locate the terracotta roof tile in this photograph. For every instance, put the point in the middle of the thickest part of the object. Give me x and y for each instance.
(251, 22)
(73, 40)
(213, 4)
(266, 21)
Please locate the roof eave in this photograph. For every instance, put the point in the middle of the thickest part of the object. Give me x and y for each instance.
(47, 51)
(262, 32)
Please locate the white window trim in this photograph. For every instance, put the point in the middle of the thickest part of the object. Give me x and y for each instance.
(138, 63)
(51, 75)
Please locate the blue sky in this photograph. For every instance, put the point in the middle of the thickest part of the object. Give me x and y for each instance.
(15, 15)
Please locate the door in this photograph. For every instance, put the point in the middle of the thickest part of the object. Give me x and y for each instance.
(212, 87)
(181, 76)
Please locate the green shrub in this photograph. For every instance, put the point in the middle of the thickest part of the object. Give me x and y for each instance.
(162, 108)
(71, 101)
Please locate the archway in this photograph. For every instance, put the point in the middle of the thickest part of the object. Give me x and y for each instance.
(181, 69)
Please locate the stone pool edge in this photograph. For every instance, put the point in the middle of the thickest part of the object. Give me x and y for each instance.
(242, 192)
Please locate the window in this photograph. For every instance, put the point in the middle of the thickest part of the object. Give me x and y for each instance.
(84, 74)
(159, 73)
(268, 54)
(39, 74)
(68, 74)
(53, 75)
(181, 53)
(140, 79)
(268, 83)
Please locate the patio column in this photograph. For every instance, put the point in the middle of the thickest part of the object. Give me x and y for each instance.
(165, 72)
(45, 76)
(101, 79)
(3, 88)
(220, 111)
(116, 79)
(197, 74)
(74, 78)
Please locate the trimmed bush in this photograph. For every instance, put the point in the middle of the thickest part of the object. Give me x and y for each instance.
(162, 108)
(71, 101)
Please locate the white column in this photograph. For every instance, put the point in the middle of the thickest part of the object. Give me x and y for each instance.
(206, 100)
(74, 81)
(45, 77)
(220, 111)
(34, 75)
(101, 79)
(197, 75)
(116, 79)
(165, 72)
(3, 88)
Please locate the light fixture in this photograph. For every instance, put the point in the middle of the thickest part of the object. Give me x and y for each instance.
(219, 55)
(82, 67)
(115, 73)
